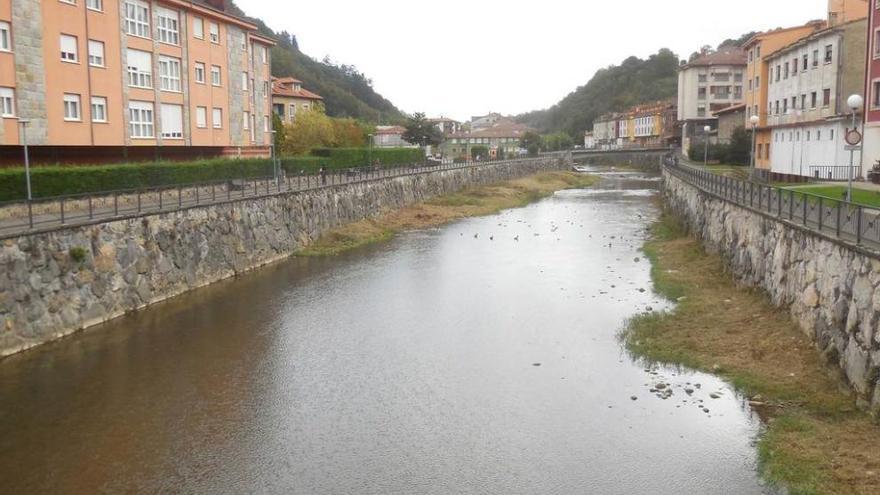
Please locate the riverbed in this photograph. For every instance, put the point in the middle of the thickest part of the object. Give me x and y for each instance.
(481, 357)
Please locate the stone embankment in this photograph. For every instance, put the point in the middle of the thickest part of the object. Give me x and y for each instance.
(832, 288)
(58, 282)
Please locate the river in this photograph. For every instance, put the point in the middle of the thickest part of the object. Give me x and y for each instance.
(481, 357)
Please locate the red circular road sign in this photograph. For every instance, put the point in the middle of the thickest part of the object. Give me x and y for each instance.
(853, 137)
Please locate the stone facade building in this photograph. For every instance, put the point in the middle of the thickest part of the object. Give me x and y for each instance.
(98, 78)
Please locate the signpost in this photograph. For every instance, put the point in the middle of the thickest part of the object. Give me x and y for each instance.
(853, 139)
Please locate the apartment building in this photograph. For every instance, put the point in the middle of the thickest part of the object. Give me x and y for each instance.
(808, 84)
(106, 78)
(605, 132)
(871, 146)
(501, 138)
(709, 83)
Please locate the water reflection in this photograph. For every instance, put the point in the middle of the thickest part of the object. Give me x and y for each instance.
(438, 363)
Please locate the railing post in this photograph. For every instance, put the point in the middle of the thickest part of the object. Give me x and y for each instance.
(91, 210)
(116, 204)
(837, 229)
(139, 201)
(213, 193)
(30, 214)
(62, 211)
(859, 225)
(197, 195)
(179, 197)
(779, 202)
(751, 194)
(804, 199)
(791, 204)
(821, 213)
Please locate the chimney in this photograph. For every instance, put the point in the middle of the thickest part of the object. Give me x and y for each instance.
(217, 4)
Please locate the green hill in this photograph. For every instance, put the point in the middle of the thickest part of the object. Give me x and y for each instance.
(346, 91)
(613, 88)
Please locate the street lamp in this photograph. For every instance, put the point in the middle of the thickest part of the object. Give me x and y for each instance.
(754, 120)
(27, 161)
(706, 130)
(854, 102)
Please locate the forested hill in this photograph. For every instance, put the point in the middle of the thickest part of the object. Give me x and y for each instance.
(346, 91)
(614, 88)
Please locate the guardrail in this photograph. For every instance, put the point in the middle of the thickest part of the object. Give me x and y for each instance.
(846, 221)
(22, 217)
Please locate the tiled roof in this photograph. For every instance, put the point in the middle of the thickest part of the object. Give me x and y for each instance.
(729, 56)
(389, 130)
(501, 129)
(284, 86)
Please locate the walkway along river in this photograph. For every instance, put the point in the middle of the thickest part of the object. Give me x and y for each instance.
(481, 357)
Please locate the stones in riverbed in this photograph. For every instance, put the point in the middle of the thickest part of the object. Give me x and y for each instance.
(715, 396)
(633, 398)
(536, 364)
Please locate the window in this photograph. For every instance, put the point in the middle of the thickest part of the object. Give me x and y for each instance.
(832, 135)
(140, 69)
(96, 53)
(244, 42)
(793, 102)
(829, 53)
(813, 100)
(806, 61)
(68, 48)
(172, 121)
(826, 97)
(169, 73)
(7, 102)
(265, 123)
(201, 117)
(216, 80)
(785, 106)
(71, 107)
(803, 102)
(5, 37)
(244, 81)
(778, 72)
(265, 89)
(246, 120)
(758, 51)
(701, 78)
(95, 4)
(306, 107)
(877, 43)
(292, 111)
(777, 107)
(751, 55)
(99, 109)
(818, 135)
(137, 18)
(264, 54)
(794, 66)
(875, 94)
(214, 30)
(808, 135)
(815, 58)
(786, 70)
(217, 118)
(750, 84)
(140, 115)
(199, 72)
(199, 28)
(168, 26)
(757, 82)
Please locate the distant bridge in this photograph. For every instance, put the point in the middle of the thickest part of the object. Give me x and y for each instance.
(640, 157)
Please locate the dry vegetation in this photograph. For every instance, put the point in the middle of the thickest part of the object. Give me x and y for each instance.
(815, 440)
(475, 201)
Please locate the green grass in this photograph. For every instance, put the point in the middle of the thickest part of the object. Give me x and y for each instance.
(863, 197)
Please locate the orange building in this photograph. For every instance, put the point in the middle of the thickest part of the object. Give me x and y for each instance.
(757, 75)
(99, 79)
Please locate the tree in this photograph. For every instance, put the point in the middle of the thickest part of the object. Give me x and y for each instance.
(532, 142)
(280, 132)
(311, 129)
(421, 132)
(739, 149)
(479, 152)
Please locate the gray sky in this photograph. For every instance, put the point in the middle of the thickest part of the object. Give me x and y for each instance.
(459, 58)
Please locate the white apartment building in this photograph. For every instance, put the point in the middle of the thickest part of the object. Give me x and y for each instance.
(710, 83)
(605, 132)
(808, 85)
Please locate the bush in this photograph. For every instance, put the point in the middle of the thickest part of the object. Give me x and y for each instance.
(737, 152)
(359, 157)
(58, 181)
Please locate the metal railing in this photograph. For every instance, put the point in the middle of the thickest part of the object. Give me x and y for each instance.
(831, 172)
(851, 222)
(21, 217)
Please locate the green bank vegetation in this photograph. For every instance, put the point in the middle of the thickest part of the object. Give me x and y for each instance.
(815, 441)
(866, 197)
(475, 201)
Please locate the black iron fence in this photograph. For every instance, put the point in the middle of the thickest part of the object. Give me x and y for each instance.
(851, 222)
(18, 217)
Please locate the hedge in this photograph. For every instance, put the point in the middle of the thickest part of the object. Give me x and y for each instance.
(62, 181)
(359, 157)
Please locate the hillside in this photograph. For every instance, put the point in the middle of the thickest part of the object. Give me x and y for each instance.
(346, 91)
(613, 88)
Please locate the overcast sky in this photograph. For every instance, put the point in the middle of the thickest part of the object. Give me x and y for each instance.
(459, 58)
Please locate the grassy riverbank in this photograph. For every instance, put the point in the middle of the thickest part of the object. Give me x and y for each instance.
(815, 441)
(470, 202)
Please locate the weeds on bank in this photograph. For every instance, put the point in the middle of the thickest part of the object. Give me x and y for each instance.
(815, 440)
(476, 201)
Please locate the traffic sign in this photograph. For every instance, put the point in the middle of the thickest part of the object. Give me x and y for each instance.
(853, 137)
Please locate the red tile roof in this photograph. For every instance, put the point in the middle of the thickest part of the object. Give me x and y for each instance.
(389, 130)
(285, 86)
(728, 56)
(501, 129)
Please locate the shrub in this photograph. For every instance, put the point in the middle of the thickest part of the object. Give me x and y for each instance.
(359, 157)
(77, 254)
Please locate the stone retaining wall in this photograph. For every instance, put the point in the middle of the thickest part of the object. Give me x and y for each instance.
(830, 287)
(53, 284)
(648, 160)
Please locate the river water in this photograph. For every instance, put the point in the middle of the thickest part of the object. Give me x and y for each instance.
(436, 363)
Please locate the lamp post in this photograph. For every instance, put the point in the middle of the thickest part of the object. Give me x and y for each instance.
(706, 130)
(854, 102)
(27, 159)
(754, 120)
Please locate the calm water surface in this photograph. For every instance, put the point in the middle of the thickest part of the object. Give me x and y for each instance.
(410, 367)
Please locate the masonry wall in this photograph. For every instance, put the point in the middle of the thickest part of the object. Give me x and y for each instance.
(832, 289)
(649, 160)
(55, 283)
